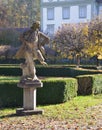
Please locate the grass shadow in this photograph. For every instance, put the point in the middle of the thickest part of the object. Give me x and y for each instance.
(8, 116)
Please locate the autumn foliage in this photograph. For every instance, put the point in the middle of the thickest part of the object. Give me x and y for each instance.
(18, 13)
(94, 41)
(79, 40)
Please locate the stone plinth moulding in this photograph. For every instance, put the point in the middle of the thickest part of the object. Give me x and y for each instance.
(29, 97)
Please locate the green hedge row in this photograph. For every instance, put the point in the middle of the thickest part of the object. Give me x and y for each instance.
(10, 71)
(51, 71)
(54, 91)
(57, 90)
(64, 71)
(89, 84)
(10, 94)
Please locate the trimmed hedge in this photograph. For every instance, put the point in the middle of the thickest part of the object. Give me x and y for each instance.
(57, 90)
(53, 91)
(97, 84)
(10, 71)
(89, 84)
(52, 71)
(10, 94)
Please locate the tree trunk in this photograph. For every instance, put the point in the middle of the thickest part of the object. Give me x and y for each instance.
(78, 61)
(97, 61)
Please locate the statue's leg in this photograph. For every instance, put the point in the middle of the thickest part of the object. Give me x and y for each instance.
(30, 64)
(35, 76)
(25, 72)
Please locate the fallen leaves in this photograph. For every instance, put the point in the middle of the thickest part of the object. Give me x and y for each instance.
(90, 118)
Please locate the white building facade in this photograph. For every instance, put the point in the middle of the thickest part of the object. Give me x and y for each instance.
(57, 12)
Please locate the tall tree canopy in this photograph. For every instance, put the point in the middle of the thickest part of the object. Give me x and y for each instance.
(69, 40)
(19, 13)
(94, 42)
(82, 39)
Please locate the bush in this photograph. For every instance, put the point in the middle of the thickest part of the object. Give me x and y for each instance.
(89, 84)
(10, 94)
(50, 71)
(9, 61)
(97, 84)
(54, 91)
(84, 85)
(57, 90)
(10, 71)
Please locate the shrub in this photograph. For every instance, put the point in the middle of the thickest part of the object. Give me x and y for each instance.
(89, 84)
(53, 91)
(57, 90)
(84, 85)
(97, 84)
(52, 71)
(10, 71)
(10, 94)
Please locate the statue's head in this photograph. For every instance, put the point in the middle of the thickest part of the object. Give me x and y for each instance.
(35, 25)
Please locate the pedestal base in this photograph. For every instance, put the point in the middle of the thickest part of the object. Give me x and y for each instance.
(30, 84)
(29, 97)
(23, 112)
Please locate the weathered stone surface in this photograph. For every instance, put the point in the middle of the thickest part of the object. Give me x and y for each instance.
(23, 112)
(30, 83)
(29, 97)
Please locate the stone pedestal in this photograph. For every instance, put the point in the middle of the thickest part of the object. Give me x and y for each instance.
(29, 97)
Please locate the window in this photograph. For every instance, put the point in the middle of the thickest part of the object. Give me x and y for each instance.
(100, 10)
(50, 13)
(82, 11)
(66, 12)
(50, 28)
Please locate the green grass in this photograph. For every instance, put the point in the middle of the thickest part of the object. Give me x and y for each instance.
(9, 78)
(73, 109)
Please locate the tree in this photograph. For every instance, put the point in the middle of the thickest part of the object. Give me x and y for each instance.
(94, 42)
(69, 40)
(16, 14)
(20, 13)
(3, 15)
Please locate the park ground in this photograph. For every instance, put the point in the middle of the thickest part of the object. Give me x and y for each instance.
(80, 113)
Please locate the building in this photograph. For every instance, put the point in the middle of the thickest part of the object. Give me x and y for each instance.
(56, 12)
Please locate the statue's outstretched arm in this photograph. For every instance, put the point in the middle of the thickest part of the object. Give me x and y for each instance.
(45, 38)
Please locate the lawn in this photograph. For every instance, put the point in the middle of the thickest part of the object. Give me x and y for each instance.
(82, 112)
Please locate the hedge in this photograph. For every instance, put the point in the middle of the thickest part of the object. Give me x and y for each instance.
(57, 90)
(10, 71)
(89, 84)
(52, 71)
(54, 91)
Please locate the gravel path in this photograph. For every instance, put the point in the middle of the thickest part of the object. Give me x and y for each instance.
(93, 121)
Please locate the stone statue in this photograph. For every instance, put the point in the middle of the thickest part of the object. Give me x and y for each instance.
(32, 48)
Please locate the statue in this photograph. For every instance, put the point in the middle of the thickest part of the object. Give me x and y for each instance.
(32, 48)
